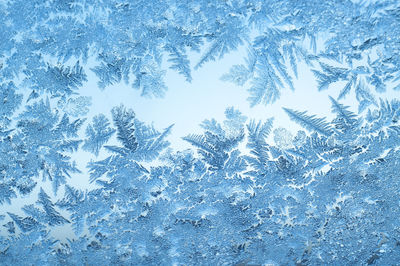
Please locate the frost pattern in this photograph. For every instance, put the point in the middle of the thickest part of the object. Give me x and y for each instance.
(352, 41)
(325, 196)
(285, 204)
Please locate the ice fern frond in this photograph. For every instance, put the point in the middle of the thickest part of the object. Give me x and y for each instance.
(216, 144)
(48, 215)
(198, 141)
(25, 224)
(270, 70)
(151, 144)
(99, 168)
(140, 142)
(387, 115)
(347, 88)
(97, 133)
(364, 96)
(56, 79)
(228, 37)
(149, 77)
(53, 217)
(266, 86)
(111, 70)
(159, 143)
(214, 148)
(234, 122)
(77, 202)
(67, 128)
(179, 61)
(310, 122)
(72, 196)
(257, 142)
(329, 74)
(238, 74)
(124, 120)
(258, 132)
(344, 117)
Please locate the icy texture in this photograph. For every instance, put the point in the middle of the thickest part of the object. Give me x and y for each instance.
(326, 197)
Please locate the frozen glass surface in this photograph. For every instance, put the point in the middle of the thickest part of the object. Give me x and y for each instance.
(238, 132)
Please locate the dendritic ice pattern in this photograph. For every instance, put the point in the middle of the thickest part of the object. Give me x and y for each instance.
(247, 192)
